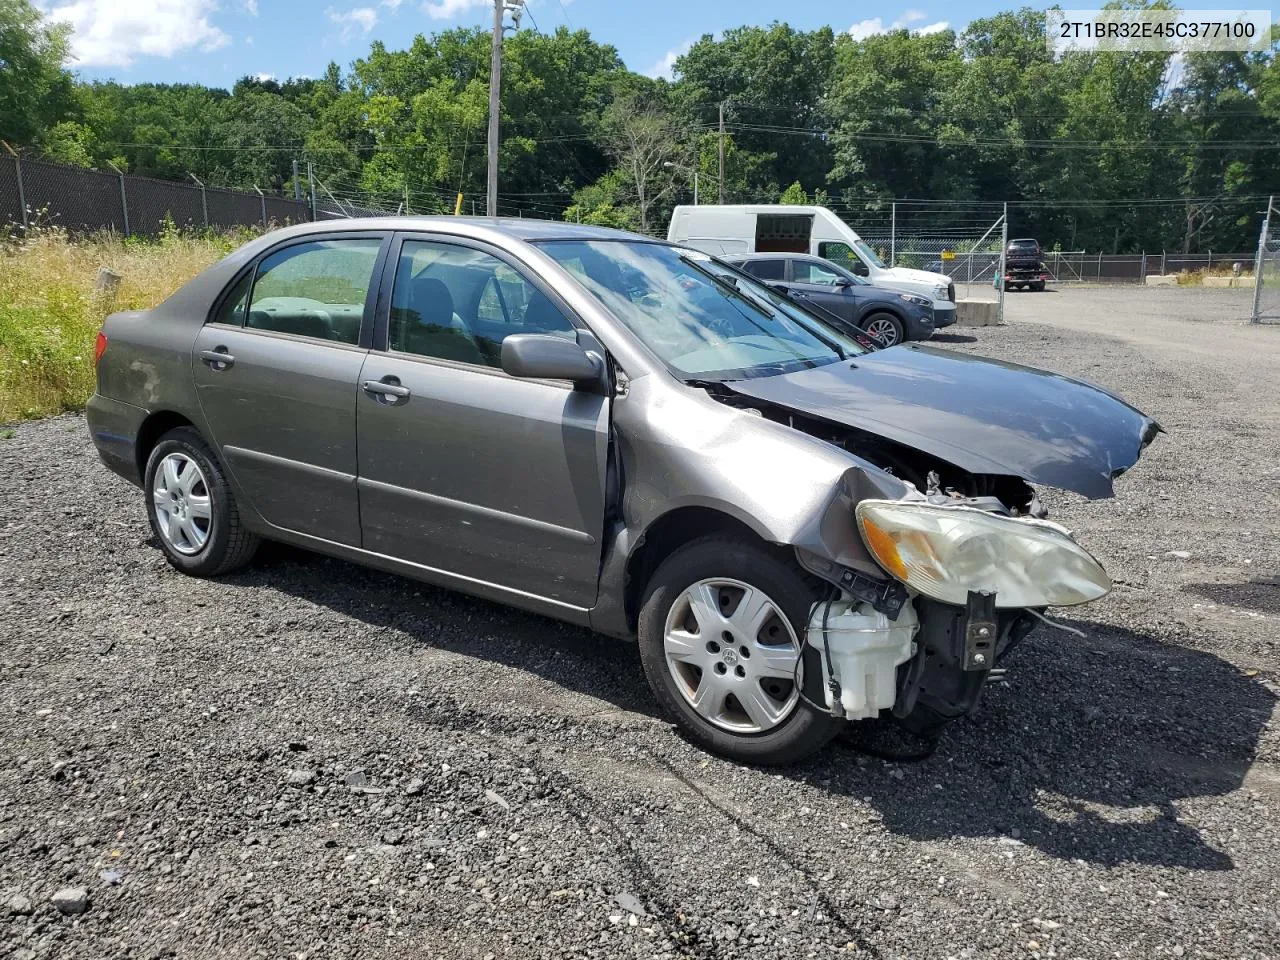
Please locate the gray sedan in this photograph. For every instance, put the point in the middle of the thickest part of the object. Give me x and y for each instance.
(623, 434)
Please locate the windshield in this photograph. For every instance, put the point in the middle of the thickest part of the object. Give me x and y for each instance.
(701, 318)
(868, 254)
(1027, 245)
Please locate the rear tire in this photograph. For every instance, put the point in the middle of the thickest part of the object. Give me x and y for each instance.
(191, 507)
(741, 672)
(885, 328)
(1038, 287)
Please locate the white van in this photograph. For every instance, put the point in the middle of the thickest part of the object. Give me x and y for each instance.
(775, 228)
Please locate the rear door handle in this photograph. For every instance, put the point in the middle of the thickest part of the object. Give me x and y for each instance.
(218, 359)
(388, 389)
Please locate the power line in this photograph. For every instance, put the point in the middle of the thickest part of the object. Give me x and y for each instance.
(1064, 144)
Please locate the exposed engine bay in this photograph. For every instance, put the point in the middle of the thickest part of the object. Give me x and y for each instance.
(937, 479)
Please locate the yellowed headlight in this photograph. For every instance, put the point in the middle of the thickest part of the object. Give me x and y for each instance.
(944, 552)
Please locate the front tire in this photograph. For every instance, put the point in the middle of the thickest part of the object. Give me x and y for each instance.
(720, 630)
(885, 328)
(192, 511)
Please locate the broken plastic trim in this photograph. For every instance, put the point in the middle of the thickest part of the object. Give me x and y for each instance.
(885, 596)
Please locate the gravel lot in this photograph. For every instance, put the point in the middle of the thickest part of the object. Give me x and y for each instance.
(308, 759)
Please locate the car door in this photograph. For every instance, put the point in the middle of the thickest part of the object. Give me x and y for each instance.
(824, 286)
(276, 371)
(463, 468)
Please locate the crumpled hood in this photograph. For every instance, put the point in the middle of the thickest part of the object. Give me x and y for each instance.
(984, 416)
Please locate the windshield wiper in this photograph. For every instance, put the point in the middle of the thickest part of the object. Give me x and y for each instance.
(729, 284)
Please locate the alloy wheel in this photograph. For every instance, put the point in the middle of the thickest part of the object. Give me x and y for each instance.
(883, 330)
(733, 655)
(184, 510)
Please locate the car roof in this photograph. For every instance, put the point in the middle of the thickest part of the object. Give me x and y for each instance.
(1023, 240)
(780, 255)
(518, 227)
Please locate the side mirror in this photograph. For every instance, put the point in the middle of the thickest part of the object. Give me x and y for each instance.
(860, 269)
(543, 356)
(844, 282)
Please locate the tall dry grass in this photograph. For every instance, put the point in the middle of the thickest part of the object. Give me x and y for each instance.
(50, 315)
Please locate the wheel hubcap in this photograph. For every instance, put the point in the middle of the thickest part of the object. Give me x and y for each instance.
(733, 655)
(184, 512)
(884, 331)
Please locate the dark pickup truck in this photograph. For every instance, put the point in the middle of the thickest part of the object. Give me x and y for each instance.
(1023, 266)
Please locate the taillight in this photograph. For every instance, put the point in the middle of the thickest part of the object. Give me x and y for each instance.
(99, 348)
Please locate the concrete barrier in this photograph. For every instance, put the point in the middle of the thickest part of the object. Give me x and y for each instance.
(1162, 280)
(977, 313)
(1244, 280)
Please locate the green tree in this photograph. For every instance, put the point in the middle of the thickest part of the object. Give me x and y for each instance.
(69, 142)
(647, 143)
(603, 204)
(794, 195)
(772, 81)
(34, 89)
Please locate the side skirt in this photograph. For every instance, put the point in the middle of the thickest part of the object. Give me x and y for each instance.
(580, 616)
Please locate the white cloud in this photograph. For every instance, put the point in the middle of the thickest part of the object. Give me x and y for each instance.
(250, 7)
(667, 64)
(109, 33)
(392, 4)
(449, 9)
(264, 77)
(873, 25)
(362, 19)
(866, 28)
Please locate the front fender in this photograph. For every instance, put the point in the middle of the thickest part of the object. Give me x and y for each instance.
(678, 448)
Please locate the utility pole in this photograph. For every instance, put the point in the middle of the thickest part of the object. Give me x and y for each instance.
(495, 101)
(722, 153)
(500, 7)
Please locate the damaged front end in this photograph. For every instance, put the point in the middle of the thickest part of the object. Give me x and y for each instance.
(965, 563)
(967, 582)
(926, 667)
(968, 577)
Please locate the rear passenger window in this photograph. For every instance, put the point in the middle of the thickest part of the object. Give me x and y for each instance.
(315, 289)
(764, 269)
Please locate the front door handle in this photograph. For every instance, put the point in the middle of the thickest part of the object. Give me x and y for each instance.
(386, 390)
(218, 359)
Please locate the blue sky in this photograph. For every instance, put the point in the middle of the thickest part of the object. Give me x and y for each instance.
(217, 41)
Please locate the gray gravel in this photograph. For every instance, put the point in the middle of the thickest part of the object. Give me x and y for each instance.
(308, 759)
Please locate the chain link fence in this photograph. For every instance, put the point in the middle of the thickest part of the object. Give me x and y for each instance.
(964, 242)
(85, 201)
(1266, 283)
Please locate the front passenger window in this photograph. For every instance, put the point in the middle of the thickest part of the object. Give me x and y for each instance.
(807, 271)
(457, 303)
(315, 289)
